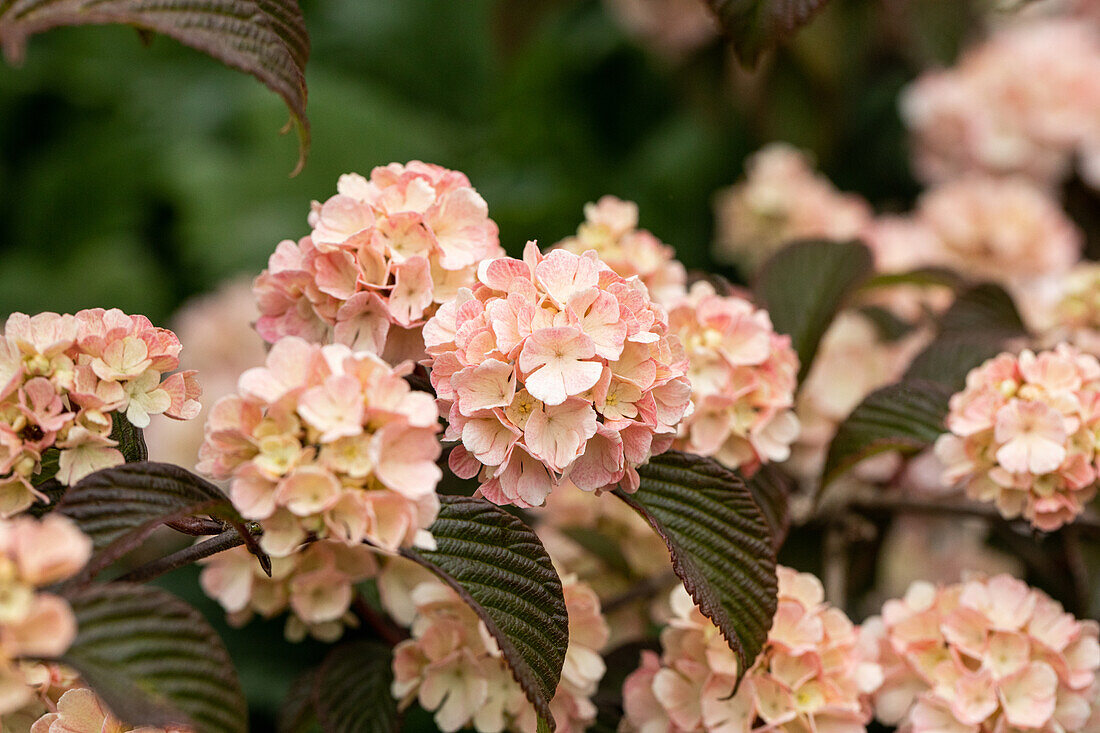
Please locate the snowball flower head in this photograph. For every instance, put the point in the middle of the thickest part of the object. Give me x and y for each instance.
(983, 655)
(316, 585)
(1075, 314)
(455, 669)
(34, 554)
(327, 442)
(811, 675)
(611, 228)
(64, 379)
(554, 367)
(782, 199)
(743, 377)
(1005, 230)
(81, 711)
(1023, 434)
(384, 252)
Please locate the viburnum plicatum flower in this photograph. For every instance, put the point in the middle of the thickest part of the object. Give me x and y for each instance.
(811, 675)
(983, 655)
(1023, 434)
(1074, 314)
(329, 443)
(34, 554)
(782, 199)
(315, 584)
(555, 368)
(455, 669)
(983, 116)
(672, 28)
(743, 377)
(611, 228)
(81, 711)
(383, 253)
(62, 380)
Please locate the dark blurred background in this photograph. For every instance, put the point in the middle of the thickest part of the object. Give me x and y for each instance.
(135, 176)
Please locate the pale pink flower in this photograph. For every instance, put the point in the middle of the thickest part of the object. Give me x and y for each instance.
(81, 711)
(454, 668)
(325, 441)
(983, 655)
(782, 199)
(1022, 434)
(611, 228)
(812, 674)
(743, 377)
(672, 28)
(383, 254)
(554, 368)
(65, 379)
(1069, 308)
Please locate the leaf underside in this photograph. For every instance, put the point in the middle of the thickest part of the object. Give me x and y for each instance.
(906, 417)
(720, 544)
(804, 285)
(754, 26)
(153, 659)
(264, 38)
(497, 564)
(351, 690)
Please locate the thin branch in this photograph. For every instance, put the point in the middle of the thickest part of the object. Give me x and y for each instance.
(643, 589)
(186, 556)
(835, 565)
(197, 526)
(386, 629)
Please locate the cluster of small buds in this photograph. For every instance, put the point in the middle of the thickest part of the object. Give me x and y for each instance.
(984, 116)
(315, 584)
(1024, 434)
(743, 377)
(980, 656)
(328, 443)
(34, 554)
(782, 199)
(555, 368)
(811, 676)
(384, 251)
(611, 228)
(61, 379)
(81, 711)
(455, 669)
(1001, 229)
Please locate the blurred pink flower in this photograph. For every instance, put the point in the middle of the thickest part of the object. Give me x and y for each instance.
(673, 28)
(80, 711)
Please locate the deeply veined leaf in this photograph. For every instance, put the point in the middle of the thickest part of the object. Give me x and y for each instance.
(351, 691)
(131, 441)
(296, 713)
(754, 26)
(264, 38)
(120, 507)
(906, 417)
(804, 285)
(153, 659)
(497, 565)
(984, 307)
(771, 488)
(719, 541)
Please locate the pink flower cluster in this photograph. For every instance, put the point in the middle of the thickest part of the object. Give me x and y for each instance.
(983, 655)
(81, 711)
(383, 252)
(61, 379)
(1076, 316)
(455, 669)
(611, 228)
(811, 675)
(326, 442)
(316, 584)
(34, 554)
(552, 368)
(1023, 434)
(782, 199)
(743, 377)
(673, 28)
(986, 115)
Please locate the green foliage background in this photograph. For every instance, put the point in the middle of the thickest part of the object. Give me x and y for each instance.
(136, 177)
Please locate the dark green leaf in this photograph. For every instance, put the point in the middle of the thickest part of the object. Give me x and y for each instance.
(154, 660)
(922, 276)
(600, 546)
(906, 417)
(265, 38)
(296, 714)
(351, 691)
(887, 325)
(719, 541)
(771, 488)
(804, 285)
(131, 442)
(498, 566)
(984, 307)
(754, 26)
